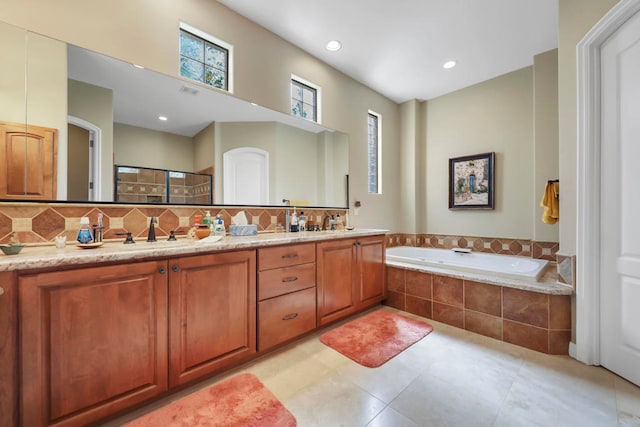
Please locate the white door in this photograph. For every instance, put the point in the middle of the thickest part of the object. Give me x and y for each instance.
(620, 204)
(246, 176)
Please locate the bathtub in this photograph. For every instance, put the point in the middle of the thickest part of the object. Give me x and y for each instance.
(513, 267)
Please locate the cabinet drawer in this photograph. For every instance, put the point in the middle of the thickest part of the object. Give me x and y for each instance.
(280, 281)
(284, 256)
(285, 317)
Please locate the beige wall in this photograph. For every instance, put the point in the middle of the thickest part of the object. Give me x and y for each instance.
(203, 154)
(496, 115)
(13, 103)
(146, 32)
(545, 156)
(95, 105)
(576, 18)
(136, 146)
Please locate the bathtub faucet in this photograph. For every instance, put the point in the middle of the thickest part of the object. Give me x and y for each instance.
(461, 250)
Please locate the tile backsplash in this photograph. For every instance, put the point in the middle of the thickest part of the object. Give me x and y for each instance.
(40, 223)
(494, 245)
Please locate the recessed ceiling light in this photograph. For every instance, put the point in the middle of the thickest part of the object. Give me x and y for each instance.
(334, 45)
(254, 104)
(138, 66)
(449, 64)
(163, 118)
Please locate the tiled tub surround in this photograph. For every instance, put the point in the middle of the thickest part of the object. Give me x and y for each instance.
(493, 245)
(532, 315)
(40, 223)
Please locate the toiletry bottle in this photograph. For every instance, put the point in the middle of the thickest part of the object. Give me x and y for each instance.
(339, 224)
(302, 222)
(219, 227)
(294, 221)
(207, 220)
(84, 235)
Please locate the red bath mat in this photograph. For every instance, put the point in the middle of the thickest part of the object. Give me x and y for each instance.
(373, 339)
(239, 401)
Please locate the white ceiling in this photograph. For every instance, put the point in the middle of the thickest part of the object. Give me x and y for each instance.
(397, 47)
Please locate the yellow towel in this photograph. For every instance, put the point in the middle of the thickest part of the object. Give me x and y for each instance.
(551, 203)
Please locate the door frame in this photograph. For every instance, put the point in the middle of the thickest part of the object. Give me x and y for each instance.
(589, 175)
(95, 155)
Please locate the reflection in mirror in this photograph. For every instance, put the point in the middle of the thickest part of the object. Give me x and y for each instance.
(108, 112)
(146, 185)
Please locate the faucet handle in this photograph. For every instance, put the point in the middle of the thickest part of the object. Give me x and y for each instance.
(172, 234)
(129, 238)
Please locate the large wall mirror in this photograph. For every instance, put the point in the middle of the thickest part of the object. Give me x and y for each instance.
(98, 112)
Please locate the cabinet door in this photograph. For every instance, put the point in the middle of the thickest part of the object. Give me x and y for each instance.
(93, 341)
(336, 274)
(8, 349)
(28, 162)
(371, 260)
(212, 311)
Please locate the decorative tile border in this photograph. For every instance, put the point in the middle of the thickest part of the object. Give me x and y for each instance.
(40, 223)
(494, 245)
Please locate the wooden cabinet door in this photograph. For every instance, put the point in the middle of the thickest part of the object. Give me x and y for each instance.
(336, 273)
(93, 342)
(8, 349)
(212, 313)
(371, 261)
(28, 162)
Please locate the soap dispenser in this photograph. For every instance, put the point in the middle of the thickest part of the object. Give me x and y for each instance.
(219, 227)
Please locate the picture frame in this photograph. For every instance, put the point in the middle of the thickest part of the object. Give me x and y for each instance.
(471, 181)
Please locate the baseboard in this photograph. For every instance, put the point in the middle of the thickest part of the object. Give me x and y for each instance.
(572, 350)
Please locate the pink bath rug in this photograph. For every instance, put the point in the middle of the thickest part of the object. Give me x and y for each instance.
(239, 401)
(373, 339)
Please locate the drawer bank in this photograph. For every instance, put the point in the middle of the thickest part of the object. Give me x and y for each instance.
(86, 334)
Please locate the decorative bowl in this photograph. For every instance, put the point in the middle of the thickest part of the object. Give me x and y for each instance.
(12, 248)
(202, 231)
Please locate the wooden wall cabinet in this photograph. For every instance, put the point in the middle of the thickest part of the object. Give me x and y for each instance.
(212, 313)
(93, 341)
(286, 293)
(28, 162)
(350, 276)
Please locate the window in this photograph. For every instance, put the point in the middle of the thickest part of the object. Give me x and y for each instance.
(205, 58)
(373, 153)
(305, 99)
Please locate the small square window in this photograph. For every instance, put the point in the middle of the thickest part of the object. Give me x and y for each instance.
(204, 58)
(305, 99)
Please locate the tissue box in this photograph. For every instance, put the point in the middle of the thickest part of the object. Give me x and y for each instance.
(243, 230)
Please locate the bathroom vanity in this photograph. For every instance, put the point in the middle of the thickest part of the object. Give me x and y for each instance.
(90, 333)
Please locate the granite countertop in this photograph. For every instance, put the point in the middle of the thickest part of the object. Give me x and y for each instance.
(36, 257)
(548, 283)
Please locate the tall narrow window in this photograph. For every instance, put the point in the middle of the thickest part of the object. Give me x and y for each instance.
(373, 153)
(305, 99)
(205, 58)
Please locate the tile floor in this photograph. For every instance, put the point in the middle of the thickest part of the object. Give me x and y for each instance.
(452, 377)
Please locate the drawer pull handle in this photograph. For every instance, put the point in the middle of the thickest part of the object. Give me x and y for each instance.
(289, 279)
(289, 256)
(290, 316)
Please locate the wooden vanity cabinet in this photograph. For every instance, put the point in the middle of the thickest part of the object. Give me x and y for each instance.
(212, 313)
(8, 349)
(286, 293)
(350, 276)
(93, 341)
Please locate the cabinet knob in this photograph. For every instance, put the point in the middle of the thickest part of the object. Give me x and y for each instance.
(290, 316)
(162, 270)
(175, 268)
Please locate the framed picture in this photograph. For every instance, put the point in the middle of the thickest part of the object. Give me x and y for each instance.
(471, 182)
